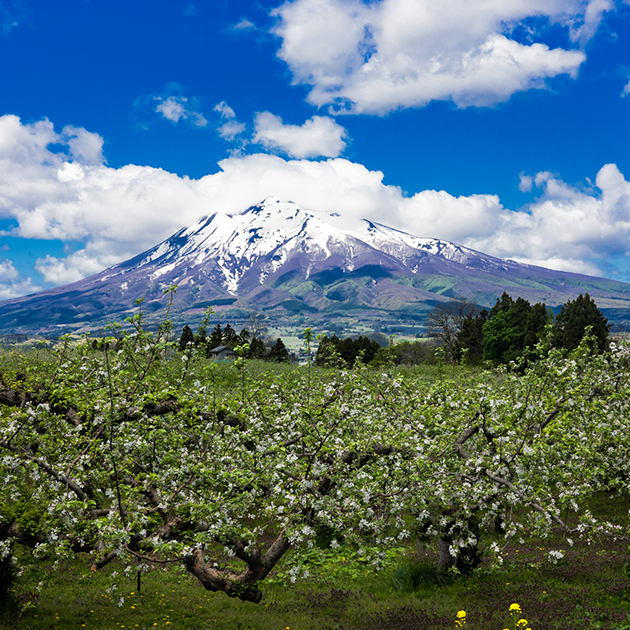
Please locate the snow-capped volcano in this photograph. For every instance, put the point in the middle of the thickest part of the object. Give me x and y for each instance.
(268, 235)
(300, 267)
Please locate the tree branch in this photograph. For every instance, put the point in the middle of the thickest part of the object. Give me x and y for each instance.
(242, 585)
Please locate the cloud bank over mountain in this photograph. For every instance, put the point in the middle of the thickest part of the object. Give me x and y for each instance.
(56, 186)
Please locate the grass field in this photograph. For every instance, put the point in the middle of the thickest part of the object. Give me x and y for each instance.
(588, 588)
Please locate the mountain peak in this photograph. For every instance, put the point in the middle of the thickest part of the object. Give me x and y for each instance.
(284, 260)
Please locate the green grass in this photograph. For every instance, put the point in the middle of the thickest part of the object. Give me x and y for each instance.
(588, 588)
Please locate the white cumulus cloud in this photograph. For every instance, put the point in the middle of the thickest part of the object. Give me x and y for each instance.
(319, 136)
(12, 284)
(85, 147)
(379, 56)
(70, 269)
(116, 213)
(570, 228)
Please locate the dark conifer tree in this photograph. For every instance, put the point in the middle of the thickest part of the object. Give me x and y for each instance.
(216, 337)
(201, 338)
(187, 338)
(230, 338)
(257, 348)
(278, 352)
(535, 324)
(328, 353)
(469, 346)
(574, 317)
(366, 349)
(504, 332)
(334, 352)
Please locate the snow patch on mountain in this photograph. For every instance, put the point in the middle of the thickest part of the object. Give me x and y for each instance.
(274, 231)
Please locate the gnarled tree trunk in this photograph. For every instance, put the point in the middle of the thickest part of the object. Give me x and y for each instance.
(242, 585)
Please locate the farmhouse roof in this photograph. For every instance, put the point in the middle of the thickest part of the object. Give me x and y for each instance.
(220, 349)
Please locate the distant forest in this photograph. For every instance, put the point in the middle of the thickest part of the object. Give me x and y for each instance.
(458, 332)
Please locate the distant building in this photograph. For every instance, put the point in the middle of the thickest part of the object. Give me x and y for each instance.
(222, 352)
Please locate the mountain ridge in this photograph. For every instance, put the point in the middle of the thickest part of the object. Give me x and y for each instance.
(300, 267)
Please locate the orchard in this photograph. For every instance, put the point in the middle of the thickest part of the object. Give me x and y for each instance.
(134, 453)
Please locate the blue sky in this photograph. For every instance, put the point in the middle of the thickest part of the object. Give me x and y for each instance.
(502, 125)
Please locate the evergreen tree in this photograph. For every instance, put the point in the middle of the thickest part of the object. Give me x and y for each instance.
(469, 346)
(574, 317)
(201, 337)
(513, 326)
(186, 338)
(335, 352)
(504, 332)
(504, 305)
(328, 353)
(501, 340)
(366, 349)
(257, 348)
(216, 337)
(230, 338)
(244, 337)
(278, 352)
(535, 325)
(347, 351)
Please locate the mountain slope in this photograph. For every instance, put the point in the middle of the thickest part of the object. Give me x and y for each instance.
(300, 267)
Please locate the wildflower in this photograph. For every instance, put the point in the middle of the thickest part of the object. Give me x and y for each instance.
(521, 622)
(515, 607)
(461, 618)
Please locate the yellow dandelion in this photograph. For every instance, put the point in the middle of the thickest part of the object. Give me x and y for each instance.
(521, 622)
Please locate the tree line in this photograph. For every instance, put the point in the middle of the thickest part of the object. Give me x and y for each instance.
(512, 328)
(252, 343)
(335, 352)
(508, 331)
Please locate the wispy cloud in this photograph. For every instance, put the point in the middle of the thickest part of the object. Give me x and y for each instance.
(172, 104)
(230, 128)
(12, 14)
(176, 108)
(244, 25)
(190, 10)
